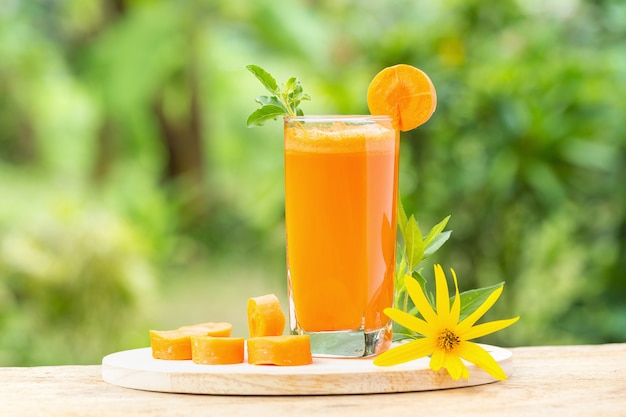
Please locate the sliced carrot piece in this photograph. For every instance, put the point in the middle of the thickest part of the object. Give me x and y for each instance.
(403, 92)
(220, 329)
(176, 344)
(285, 350)
(172, 344)
(265, 317)
(210, 350)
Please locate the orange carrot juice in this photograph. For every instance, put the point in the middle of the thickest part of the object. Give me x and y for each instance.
(341, 175)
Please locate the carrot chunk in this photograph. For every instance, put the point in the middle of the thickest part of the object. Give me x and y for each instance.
(219, 329)
(265, 317)
(286, 350)
(176, 344)
(172, 344)
(210, 350)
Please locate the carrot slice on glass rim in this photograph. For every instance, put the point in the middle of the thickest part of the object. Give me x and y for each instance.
(403, 92)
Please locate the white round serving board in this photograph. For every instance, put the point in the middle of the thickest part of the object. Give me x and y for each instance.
(139, 370)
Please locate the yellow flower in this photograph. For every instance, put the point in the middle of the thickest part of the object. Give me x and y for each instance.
(445, 338)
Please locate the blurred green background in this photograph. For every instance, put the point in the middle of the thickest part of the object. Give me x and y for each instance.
(132, 196)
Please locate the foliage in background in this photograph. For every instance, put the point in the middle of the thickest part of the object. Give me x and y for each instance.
(72, 274)
(133, 111)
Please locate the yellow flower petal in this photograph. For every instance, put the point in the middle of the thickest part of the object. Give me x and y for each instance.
(487, 328)
(442, 297)
(419, 299)
(456, 368)
(410, 322)
(480, 311)
(437, 359)
(472, 352)
(406, 352)
(455, 310)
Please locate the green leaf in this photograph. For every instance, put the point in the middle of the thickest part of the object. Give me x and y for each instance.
(402, 219)
(420, 279)
(435, 231)
(402, 333)
(402, 266)
(266, 79)
(288, 97)
(298, 95)
(268, 100)
(265, 113)
(414, 243)
(436, 243)
(291, 85)
(304, 97)
(296, 98)
(472, 299)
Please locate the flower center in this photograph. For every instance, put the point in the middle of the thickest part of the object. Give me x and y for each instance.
(448, 340)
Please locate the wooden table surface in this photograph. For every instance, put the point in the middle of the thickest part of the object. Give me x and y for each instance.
(552, 380)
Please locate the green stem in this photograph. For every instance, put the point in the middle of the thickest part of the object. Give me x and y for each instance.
(406, 301)
(285, 101)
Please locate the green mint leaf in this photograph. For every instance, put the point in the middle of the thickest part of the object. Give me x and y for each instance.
(293, 94)
(271, 100)
(296, 98)
(266, 79)
(287, 98)
(291, 85)
(302, 96)
(265, 113)
(298, 95)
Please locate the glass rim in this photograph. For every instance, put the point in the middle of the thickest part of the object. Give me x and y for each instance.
(337, 117)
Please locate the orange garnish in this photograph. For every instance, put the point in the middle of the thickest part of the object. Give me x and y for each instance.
(210, 350)
(287, 350)
(265, 317)
(403, 92)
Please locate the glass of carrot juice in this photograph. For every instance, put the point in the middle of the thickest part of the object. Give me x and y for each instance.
(341, 178)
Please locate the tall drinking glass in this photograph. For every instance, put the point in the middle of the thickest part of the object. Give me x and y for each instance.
(341, 177)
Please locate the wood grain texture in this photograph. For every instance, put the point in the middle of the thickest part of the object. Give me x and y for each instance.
(547, 381)
(137, 369)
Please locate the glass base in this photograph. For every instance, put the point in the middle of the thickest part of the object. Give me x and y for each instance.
(348, 344)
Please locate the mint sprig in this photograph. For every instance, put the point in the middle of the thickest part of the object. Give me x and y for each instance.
(284, 100)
